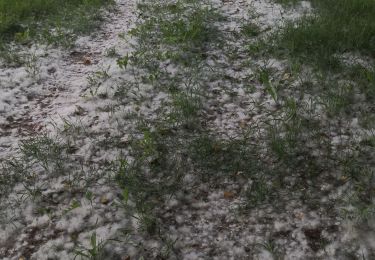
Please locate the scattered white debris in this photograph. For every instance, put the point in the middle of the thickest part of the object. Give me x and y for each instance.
(54, 94)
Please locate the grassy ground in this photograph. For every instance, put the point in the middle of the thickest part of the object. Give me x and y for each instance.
(336, 27)
(300, 140)
(298, 133)
(336, 42)
(333, 41)
(48, 21)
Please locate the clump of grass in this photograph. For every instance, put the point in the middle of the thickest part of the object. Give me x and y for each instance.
(96, 252)
(287, 2)
(183, 30)
(250, 30)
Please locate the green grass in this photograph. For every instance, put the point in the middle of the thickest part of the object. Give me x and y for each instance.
(336, 27)
(52, 21)
(184, 31)
(318, 41)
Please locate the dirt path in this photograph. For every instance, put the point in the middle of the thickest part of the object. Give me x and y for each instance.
(54, 84)
(41, 98)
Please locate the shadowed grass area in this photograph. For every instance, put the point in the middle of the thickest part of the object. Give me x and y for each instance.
(330, 39)
(335, 27)
(337, 43)
(24, 20)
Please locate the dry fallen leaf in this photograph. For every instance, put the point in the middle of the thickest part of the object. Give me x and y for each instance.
(243, 124)
(228, 194)
(299, 215)
(87, 61)
(79, 111)
(216, 147)
(287, 76)
(344, 178)
(104, 199)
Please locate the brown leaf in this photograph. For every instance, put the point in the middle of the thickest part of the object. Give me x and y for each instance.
(87, 61)
(243, 124)
(228, 195)
(287, 76)
(104, 199)
(299, 215)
